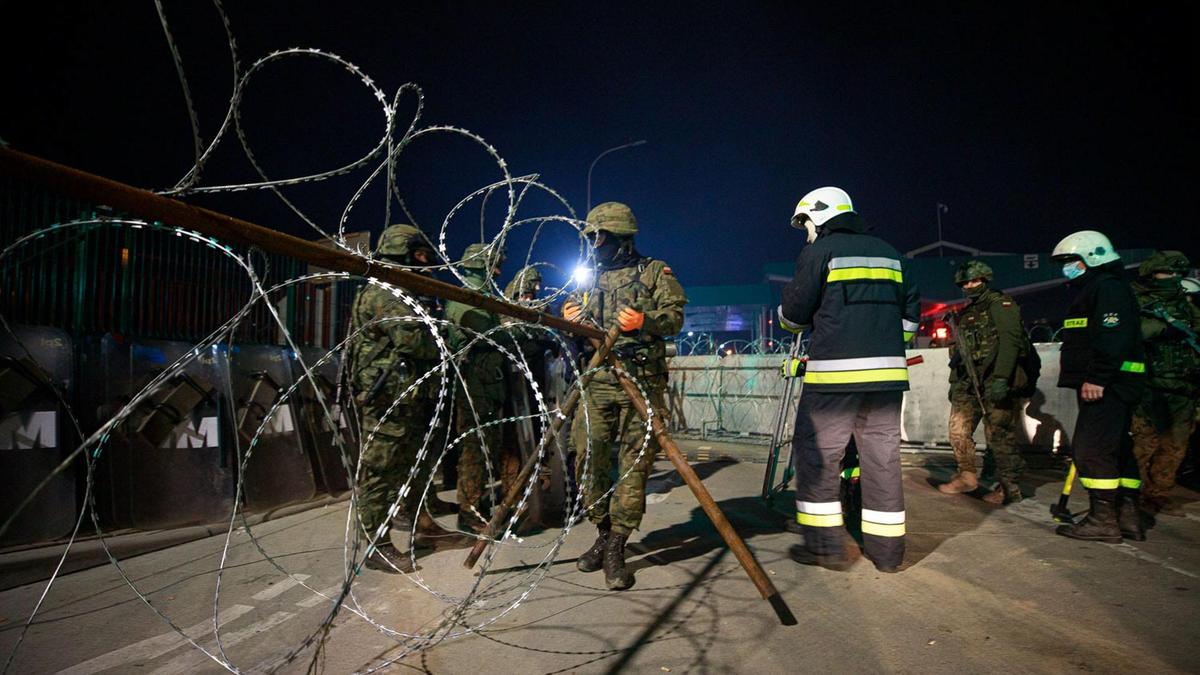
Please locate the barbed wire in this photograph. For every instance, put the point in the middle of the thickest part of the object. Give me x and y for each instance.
(488, 595)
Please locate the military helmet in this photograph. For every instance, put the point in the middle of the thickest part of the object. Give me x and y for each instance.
(972, 269)
(528, 280)
(613, 217)
(399, 239)
(482, 257)
(1172, 262)
(1088, 245)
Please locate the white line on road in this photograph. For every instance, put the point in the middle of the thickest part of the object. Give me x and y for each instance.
(196, 659)
(330, 594)
(277, 589)
(150, 648)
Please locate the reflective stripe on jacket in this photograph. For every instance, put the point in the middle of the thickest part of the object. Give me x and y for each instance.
(850, 288)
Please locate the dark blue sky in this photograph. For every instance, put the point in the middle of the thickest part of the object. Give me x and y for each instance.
(1028, 121)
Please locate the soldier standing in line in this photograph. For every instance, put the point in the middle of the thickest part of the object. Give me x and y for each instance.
(643, 297)
(386, 359)
(989, 334)
(478, 406)
(1163, 421)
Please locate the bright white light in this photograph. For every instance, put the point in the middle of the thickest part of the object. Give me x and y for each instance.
(582, 276)
(690, 333)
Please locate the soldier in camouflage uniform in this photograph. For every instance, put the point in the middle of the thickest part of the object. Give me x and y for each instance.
(479, 405)
(525, 286)
(386, 358)
(1163, 421)
(644, 298)
(991, 336)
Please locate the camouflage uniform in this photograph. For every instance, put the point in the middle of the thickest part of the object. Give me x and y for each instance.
(647, 285)
(990, 334)
(479, 406)
(399, 352)
(1163, 421)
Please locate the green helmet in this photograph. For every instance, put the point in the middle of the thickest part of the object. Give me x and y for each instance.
(399, 239)
(482, 257)
(527, 281)
(1172, 262)
(613, 217)
(972, 269)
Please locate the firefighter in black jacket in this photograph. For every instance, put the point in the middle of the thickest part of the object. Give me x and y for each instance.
(1102, 359)
(850, 288)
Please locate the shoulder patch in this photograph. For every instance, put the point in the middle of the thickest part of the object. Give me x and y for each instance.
(1110, 320)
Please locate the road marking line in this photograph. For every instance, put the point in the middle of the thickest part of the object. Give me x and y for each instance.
(196, 659)
(332, 593)
(154, 647)
(278, 589)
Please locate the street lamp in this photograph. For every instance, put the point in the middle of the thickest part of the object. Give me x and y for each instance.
(941, 208)
(589, 181)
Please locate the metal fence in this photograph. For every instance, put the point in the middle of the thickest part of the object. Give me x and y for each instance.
(146, 282)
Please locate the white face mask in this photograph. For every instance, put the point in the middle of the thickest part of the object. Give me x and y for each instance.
(1073, 269)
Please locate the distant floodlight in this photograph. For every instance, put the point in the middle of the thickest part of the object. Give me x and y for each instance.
(582, 276)
(690, 333)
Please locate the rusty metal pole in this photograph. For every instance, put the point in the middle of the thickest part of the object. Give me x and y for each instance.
(98, 190)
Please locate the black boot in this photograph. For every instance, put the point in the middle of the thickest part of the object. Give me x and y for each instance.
(1101, 522)
(616, 577)
(593, 559)
(1129, 515)
(386, 558)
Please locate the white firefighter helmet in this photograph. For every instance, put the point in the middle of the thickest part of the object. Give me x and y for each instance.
(1191, 286)
(1090, 246)
(818, 207)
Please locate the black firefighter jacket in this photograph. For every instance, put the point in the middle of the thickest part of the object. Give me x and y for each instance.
(1101, 336)
(850, 288)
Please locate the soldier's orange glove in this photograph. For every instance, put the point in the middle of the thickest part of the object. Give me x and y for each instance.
(571, 311)
(631, 319)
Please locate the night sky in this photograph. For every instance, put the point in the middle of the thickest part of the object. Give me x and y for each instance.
(1028, 122)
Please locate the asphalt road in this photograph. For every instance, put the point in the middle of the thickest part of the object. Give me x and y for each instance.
(982, 590)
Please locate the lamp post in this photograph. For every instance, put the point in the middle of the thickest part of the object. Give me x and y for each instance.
(593, 166)
(941, 208)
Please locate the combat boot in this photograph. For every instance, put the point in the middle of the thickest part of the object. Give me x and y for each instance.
(1101, 521)
(1009, 493)
(440, 507)
(616, 577)
(1129, 515)
(834, 562)
(593, 559)
(431, 535)
(386, 558)
(963, 481)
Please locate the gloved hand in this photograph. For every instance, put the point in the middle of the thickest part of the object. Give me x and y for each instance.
(631, 319)
(995, 390)
(792, 367)
(571, 311)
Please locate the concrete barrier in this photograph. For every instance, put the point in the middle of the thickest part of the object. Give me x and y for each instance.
(739, 394)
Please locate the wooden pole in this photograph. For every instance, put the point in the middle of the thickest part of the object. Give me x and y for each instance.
(147, 205)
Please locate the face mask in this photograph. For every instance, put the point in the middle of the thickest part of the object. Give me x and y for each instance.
(606, 252)
(1073, 270)
(1169, 284)
(976, 291)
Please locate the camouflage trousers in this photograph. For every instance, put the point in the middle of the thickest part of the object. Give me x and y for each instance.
(1000, 422)
(388, 459)
(1160, 448)
(473, 475)
(610, 417)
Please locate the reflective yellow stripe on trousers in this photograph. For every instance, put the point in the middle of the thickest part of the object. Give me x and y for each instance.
(883, 523)
(819, 514)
